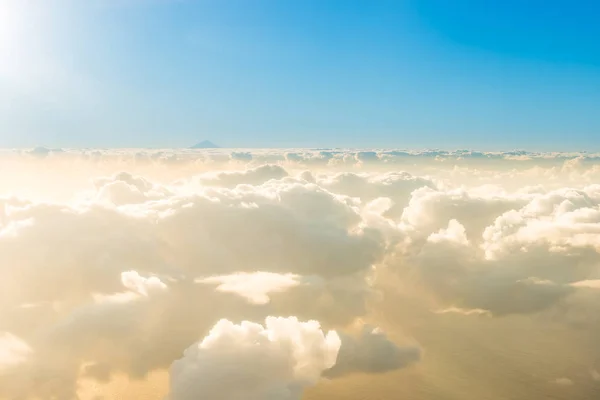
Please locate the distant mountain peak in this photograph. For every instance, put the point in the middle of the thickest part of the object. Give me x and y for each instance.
(205, 144)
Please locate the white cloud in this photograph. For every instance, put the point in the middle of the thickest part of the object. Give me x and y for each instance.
(255, 286)
(454, 233)
(138, 284)
(275, 361)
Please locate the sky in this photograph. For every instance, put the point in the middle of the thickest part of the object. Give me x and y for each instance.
(486, 75)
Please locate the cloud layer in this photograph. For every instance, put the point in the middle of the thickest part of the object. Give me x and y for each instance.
(119, 262)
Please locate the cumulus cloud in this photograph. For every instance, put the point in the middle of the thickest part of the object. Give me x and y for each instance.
(124, 188)
(251, 361)
(136, 283)
(396, 186)
(516, 253)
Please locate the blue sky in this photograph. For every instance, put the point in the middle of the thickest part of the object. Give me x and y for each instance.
(483, 74)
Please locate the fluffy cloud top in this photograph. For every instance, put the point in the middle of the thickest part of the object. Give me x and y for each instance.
(276, 361)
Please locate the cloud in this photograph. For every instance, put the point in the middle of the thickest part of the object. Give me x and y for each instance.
(461, 311)
(505, 254)
(13, 351)
(125, 188)
(146, 250)
(254, 176)
(564, 382)
(589, 283)
(454, 233)
(396, 186)
(15, 354)
(114, 274)
(372, 352)
(143, 286)
(275, 361)
(255, 287)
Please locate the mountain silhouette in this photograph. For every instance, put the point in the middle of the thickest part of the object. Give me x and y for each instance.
(205, 144)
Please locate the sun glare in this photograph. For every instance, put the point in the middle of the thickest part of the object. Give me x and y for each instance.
(10, 20)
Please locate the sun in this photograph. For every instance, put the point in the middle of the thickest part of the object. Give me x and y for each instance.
(11, 24)
(24, 34)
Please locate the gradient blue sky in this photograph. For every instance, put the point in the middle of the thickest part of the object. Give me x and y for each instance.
(484, 74)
